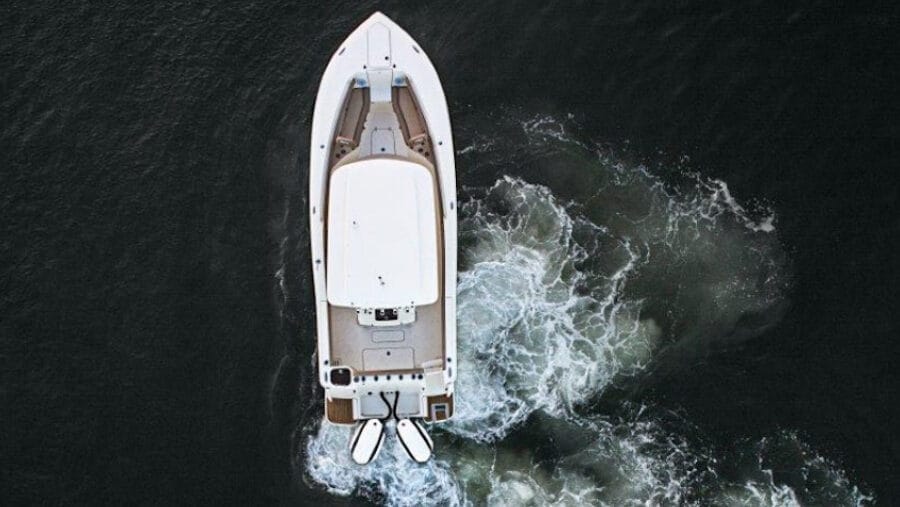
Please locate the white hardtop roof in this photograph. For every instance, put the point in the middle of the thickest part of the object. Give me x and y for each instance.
(382, 235)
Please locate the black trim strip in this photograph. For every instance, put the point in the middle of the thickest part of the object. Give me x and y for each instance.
(408, 452)
(378, 445)
(356, 439)
(423, 435)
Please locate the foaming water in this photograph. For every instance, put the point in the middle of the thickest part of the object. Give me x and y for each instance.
(783, 470)
(544, 333)
(393, 476)
(559, 298)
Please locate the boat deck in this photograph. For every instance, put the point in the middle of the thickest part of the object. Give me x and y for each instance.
(339, 411)
(397, 348)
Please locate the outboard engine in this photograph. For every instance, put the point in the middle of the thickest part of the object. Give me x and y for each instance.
(415, 440)
(367, 441)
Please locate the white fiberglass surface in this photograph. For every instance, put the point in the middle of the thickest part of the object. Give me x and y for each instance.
(382, 235)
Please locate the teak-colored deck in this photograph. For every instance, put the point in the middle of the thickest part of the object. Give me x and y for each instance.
(339, 411)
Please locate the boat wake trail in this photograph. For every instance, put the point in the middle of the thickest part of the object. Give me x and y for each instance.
(546, 334)
(565, 293)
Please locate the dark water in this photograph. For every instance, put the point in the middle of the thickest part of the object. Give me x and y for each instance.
(155, 323)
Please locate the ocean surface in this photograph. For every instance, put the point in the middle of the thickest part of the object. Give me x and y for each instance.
(679, 229)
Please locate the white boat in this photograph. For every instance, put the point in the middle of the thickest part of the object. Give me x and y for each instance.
(382, 197)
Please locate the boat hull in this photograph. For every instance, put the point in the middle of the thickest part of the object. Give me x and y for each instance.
(381, 104)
